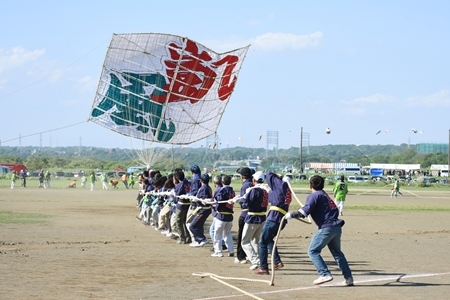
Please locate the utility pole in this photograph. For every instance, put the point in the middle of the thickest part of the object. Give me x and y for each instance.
(301, 149)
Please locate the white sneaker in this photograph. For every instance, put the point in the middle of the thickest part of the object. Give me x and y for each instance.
(202, 243)
(323, 279)
(254, 267)
(237, 261)
(194, 244)
(217, 254)
(349, 282)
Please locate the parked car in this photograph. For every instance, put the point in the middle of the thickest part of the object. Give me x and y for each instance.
(379, 178)
(355, 179)
(59, 174)
(429, 180)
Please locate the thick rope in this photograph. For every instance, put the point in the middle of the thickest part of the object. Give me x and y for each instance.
(218, 278)
(307, 219)
(272, 280)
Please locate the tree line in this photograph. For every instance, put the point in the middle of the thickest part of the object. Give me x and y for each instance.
(96, 158)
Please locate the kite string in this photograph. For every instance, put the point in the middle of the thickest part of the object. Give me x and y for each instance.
(45, 131)
(51, 74)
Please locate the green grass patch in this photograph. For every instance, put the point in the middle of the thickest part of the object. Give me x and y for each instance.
(397, 208)
(9, 217)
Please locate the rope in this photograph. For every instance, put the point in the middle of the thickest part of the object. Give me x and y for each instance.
(218, 278)
(50, 130)
(235, 199)
(272, 260)
(308, 219)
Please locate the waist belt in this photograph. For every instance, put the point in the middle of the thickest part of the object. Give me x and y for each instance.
(225, 213)
(184, 203)
(256, 213)
(245, 209)
(278, 209)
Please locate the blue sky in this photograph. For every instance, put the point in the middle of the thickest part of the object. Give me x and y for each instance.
(356, 67)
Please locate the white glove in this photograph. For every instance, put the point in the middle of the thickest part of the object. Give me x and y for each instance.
(288, 216)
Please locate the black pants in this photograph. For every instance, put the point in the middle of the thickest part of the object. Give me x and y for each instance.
(240, 252)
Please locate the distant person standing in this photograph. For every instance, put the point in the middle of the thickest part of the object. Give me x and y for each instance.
(340, 191)
(41, 179)
(23, 177)
(131, 180)
(47, 180)
(83, 181)
(125, 179)
(396, 189)
(13, 179)
(92, 180)
(104, 180)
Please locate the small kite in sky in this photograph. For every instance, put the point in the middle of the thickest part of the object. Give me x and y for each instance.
(260, 137)
(378, 132)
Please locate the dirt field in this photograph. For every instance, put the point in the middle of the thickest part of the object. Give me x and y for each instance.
(90, 246)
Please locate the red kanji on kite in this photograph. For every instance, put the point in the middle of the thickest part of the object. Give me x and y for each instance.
(192, 73)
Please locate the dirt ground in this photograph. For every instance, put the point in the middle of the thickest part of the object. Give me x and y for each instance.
(90, 246)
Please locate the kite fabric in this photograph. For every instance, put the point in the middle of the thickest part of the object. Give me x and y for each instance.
(164, 88)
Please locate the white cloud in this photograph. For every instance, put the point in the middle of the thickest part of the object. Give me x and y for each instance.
(372, 99)
(267, 42)
(439, 99)
(286, 41)
(17, 56)
(356, 111)
(86, 84)
(254, 22)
